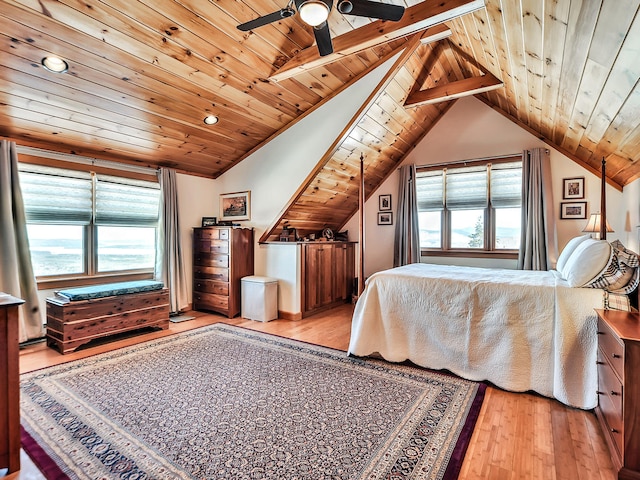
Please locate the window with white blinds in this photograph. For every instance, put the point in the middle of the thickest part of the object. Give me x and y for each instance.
(466, 187)
(82, 223)
(474, 207)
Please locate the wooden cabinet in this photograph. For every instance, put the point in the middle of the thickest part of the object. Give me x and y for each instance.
(221, 257)
(328, 271)
(618, 409)
(9, 384)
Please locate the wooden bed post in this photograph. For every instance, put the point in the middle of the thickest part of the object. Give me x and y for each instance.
(361, 227)
(603, 202)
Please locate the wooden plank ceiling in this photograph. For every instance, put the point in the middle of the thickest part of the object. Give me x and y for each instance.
(144, 73)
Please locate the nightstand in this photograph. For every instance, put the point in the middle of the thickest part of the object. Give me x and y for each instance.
(618, 409)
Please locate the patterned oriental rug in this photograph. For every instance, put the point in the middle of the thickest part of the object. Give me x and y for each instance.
(222, 402)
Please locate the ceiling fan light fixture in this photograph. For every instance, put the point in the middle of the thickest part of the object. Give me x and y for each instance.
(55, 64)
(313, 12)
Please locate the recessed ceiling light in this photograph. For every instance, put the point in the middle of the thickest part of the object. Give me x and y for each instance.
(55, 64)
(210, 119)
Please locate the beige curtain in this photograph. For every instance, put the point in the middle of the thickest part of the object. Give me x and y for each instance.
(169, 261)
(538, 246)
(16, 271)
(407, 233)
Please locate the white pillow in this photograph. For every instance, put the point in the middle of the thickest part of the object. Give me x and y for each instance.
(569, 248)
(586, 262)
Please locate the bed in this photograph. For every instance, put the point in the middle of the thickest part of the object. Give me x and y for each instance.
(520, 330)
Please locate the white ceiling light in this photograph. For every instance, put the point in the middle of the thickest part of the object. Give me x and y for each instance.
(313, 12)
(55, 64)
(210, 120)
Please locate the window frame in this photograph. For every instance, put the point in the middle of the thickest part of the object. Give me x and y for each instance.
(91, 276)
(489, 250)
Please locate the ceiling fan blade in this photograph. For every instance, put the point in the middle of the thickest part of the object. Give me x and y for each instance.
(367, 8)
(323, 39)
(266, 19)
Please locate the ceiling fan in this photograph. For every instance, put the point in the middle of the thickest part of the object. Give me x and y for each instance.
(316, 12)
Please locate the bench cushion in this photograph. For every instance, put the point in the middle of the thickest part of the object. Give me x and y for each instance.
(110, 289)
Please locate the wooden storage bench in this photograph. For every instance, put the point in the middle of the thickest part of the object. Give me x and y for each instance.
(79, 315)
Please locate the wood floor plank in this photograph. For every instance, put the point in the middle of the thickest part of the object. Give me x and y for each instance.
(517, 435)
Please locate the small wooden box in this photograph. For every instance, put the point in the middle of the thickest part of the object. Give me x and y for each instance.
(75, 323)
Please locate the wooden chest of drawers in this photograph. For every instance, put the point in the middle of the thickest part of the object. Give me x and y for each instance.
(618, 409)
(221, 257)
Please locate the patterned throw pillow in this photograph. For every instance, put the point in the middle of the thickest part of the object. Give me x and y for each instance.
(621, 274)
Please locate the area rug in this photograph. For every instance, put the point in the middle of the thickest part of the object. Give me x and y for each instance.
(223, 402)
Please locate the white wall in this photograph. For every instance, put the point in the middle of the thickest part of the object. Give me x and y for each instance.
(470, 130)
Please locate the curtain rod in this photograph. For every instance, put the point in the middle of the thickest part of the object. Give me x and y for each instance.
(39, 152)
(472, 160)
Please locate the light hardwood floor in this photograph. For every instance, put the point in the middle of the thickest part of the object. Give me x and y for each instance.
(518, 436)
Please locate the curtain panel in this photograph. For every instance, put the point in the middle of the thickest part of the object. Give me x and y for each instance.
(16, 274)
(169, 264)
(407, 232)
(538, 245)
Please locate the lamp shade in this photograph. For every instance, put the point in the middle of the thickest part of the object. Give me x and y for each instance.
(593, 225)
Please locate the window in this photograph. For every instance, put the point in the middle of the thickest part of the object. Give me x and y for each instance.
(470, 209)
(87, 224)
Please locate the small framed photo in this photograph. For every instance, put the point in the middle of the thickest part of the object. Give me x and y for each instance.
(235, 206)
(573, 188)
(209, 221)
(385, 218)
(573, 210)
(384, 202)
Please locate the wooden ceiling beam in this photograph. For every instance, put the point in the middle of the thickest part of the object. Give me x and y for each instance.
(421, 16)
(450, 91)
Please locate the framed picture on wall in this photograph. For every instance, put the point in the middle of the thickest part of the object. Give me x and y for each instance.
(573, 210)
(385, 218)
(235, 206)
(384, 202)
(573, 188)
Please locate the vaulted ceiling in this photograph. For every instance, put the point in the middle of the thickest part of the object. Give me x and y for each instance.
(144, 73)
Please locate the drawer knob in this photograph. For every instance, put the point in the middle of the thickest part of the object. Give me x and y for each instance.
(614, 393)
(599, 363)
(613, 430)
(615, 355)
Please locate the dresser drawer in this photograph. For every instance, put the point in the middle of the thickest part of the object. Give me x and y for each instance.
(210, 301)
(212, 234)
(210, 273)
(202, 259)
(211, 286)
(211, 246)
(612, 348)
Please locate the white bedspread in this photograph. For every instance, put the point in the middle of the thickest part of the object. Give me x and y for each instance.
(520, 330)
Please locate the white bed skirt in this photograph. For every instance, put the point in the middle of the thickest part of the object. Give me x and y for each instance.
(520, 330)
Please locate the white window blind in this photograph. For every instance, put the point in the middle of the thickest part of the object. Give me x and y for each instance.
(506, 184)
(53, 195)
(429, 188)
(466, 188)
(126, 202)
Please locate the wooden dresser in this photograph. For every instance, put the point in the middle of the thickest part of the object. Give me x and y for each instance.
(221, 257)
(618, 409)
(9, 384)
(328, 272)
